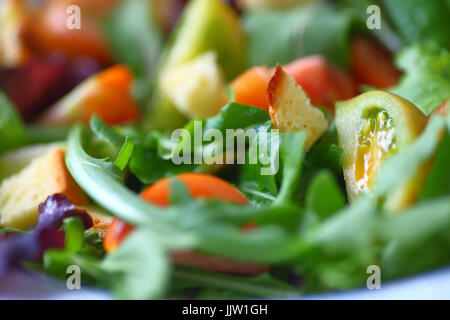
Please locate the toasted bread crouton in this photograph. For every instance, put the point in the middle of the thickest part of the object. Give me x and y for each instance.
(291, 110)
(197, 88)
(101, 220)
(21, 194)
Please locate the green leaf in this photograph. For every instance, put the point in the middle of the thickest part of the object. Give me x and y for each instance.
(426, 82)
(324, 197)
(74, 238)
(418, 239)
(320, 157)
(237, 116)
(134, 37)
(425, 89)
(262, 286)
(104, 132)
(56, 262)
(291, 157)
(125, 154)
(139, 268)
(258, 187)
(438, 182)
(12, 130)
(101, 180)
(398, 168)
(268, 244)
(179, 194)
(281, 36)
(150, 163)
(419, 25)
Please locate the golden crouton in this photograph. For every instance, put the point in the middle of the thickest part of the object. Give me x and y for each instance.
(21, 194)
(291, 110)
(197, 88)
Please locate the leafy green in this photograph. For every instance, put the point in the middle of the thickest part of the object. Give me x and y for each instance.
(12, 130)
(426, 82)
(236, 116)
(102, 181)
(134, 37)
(324, 197)
(139, 268)
(262, 286)
(418, 239)
(281, 36)
(124, 154)
(291, 156)
(106, 133)
(420, 21)
(438, 182)
(150, 162)
(398, 168)
(78, 251)
(322, 156)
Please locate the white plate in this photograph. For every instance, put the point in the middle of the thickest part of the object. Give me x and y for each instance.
(431, 285)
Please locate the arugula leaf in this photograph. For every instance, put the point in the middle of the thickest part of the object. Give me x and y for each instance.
(268, 244)
(139, 268)
(320, 157)
(324, 197)
(76, 252)
(426, 82)
(237, 116)
(103, 131)
(260, 188)
(398, 168)
(291, 156)
(262, 286)
(179, 194)
(438, 182)
(150, 164)
(74, 229)
(418, 239)
(310, 29)
(424, 24)
(342, 247)
(101, 180)
(135, 39)
(125, 154)
(12, 129)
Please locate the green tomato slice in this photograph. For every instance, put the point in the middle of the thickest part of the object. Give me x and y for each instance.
(371, 127)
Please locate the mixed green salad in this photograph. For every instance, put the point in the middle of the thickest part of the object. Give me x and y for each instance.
(102, 165)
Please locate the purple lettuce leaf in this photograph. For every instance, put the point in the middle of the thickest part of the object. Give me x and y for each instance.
(15, 249)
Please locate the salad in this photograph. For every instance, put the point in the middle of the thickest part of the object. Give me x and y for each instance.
(212, 149)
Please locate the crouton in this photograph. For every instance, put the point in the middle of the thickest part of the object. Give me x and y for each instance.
(21, 194)
(12, 162)
(291, 110)
(197, 88)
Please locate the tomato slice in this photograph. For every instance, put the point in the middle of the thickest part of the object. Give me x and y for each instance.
(372, 127)
(323, 82)
(250, 87)
(372, 64)
(198, 185)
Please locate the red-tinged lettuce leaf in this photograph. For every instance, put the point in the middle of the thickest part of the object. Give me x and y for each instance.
(46, 81)
(55, 209)
(16, 249)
